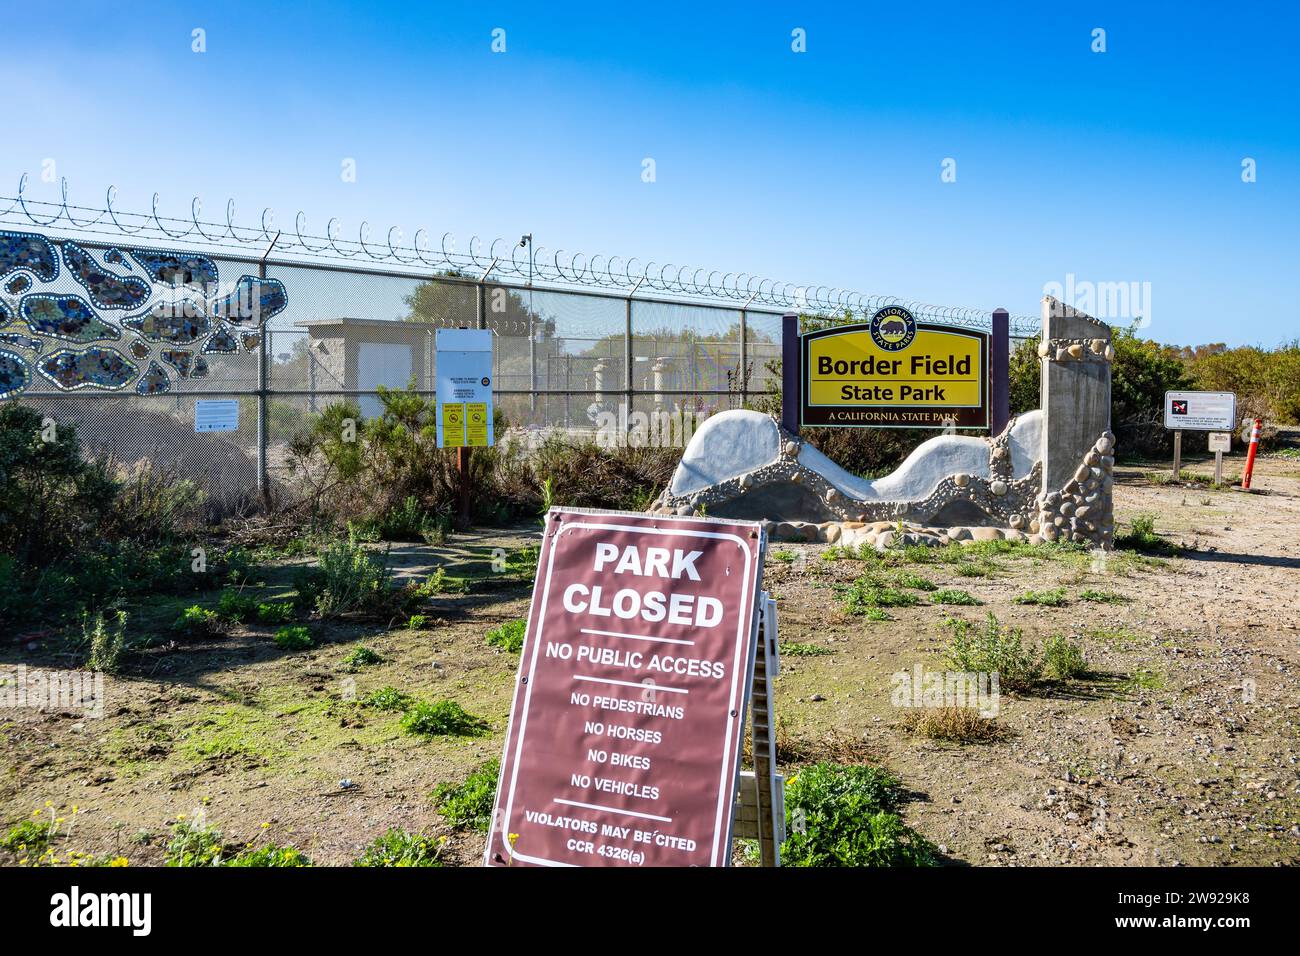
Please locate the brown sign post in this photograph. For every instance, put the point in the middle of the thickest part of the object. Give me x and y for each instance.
(624, 741)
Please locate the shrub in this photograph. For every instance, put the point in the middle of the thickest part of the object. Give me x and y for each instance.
(399, 848)
(269, 856)
(993, 649)
(1141, 536)
(784, 555)
(509, 636)
(804, 650)
(52, 501)
(1053, 598)
(469, 804)
(280, 612)
(194, 844)
(362, 656)
(844, 816)
(417, 621)
(350, 579)
(446, 718)
(387, 698)
(1096, 596)
(28, 837)
(953, 596)
(198, 621)
(1063, 658)
(961, 725)
(236, 607)
(867, 592)
(295, 637)
(107, 640)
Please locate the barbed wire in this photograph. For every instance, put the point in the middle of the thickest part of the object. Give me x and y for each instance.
(502, 258)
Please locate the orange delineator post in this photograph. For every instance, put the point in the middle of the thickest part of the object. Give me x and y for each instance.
(1250, 455)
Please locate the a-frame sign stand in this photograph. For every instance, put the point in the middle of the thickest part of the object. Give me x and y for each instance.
(760, 797)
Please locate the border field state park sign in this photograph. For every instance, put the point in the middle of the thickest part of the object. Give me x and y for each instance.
(895, 372)
(624, 740)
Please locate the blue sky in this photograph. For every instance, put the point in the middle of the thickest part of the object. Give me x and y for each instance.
(820, 167)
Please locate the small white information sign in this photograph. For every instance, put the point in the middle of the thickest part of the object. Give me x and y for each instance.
(464, 388)
(1201, 411)
(1220, 441)
(216, 415)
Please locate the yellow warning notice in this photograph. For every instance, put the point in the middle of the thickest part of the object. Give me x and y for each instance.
(476, 427)
(453, 425)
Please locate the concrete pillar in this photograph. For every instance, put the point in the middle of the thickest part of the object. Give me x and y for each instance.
(1078, 446)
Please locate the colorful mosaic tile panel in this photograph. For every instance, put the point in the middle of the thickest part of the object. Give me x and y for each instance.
(93, 368)
(174, 268)
(18, 284)
(65, 317)
(106, 290)
(180, 323)
(222, 342)
(15, 374)
(254, 301)
(154, 381)
(22, 250)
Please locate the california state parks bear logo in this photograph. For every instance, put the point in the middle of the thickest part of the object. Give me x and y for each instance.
(893, 328)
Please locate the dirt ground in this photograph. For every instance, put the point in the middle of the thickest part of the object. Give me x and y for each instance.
(1180, 746)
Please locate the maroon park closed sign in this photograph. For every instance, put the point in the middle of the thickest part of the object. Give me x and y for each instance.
(624, 738)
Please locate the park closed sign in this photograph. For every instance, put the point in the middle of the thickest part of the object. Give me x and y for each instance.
(895, 372)
(624, 740)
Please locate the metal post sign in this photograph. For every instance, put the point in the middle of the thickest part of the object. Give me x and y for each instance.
(894, 372)
(624, 740)
(464, 388)
(1201, 411)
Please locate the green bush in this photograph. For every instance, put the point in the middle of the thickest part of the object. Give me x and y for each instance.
(387, 698)
(294, 637)
(953, 596)
(867, 592)
(446, 718)
(194, 844)
(845, 816)
(198, 621)
(270, 856)
(1063, 658)
(1054, 597)
(52, 501)
(278, 612)
(399, 848)
(1141, 536)
(29, 837)
(469, 804)
(350, 579)
(361, 656)
(994, 648)
(236, 607)
(107, 640)
(509, 636)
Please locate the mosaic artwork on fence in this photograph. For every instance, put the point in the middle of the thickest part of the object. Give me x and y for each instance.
(135, 315)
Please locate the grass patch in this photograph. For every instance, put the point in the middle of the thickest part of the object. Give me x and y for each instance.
(1095, 596)
(867, 592)
(397, 847)
(1141, 536)
(387, 698)
(1063, 658)
(993, 648)
(840, 815)
(197, 621)
(804, 650)
(361, 656)
(1144, 678)
(1117, 637)
(954, 596)
(294, 637)
(445, 718)
(784, 555)
(962, 725)
(469, 804)
(509, 636)
(1052, 598)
